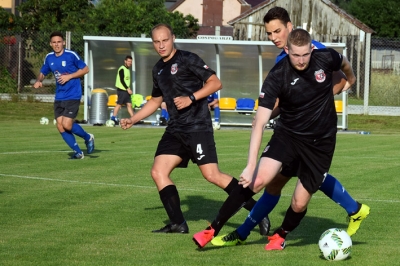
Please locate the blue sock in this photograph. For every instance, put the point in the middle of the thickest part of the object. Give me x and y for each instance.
(163, 111)
(263, 207)
(166, 115)
(334, 190)
(217, 114)
(69, 138)
(78, 130)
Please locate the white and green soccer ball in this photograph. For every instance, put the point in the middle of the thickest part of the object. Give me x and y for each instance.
(216, 125)
(335, 244)
(110, 123)
(44, 121)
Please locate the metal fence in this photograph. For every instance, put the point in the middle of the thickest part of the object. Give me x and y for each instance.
(21, 58)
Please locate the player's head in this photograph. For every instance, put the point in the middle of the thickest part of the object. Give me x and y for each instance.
(163, 40)
(277, 26)
(128, 61)
(57, 41)
(299, 48)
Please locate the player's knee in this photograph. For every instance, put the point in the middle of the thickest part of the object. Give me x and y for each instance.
(156, 174)
(298, 206)
(259, 184)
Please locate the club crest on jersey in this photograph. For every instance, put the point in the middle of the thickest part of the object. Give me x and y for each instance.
(174, 69)
(64, 63)
(205, 66)
(320, 76)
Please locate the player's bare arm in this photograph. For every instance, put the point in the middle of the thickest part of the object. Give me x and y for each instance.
(261, 119)
(38, 83)
(150, 107)
(348, 71)
(212, 85)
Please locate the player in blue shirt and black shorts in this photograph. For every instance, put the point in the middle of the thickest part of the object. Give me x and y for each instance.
(67, 68)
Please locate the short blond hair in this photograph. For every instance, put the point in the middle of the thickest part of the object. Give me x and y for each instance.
(298, 37)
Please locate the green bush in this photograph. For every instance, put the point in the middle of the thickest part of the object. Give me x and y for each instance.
(7, 83)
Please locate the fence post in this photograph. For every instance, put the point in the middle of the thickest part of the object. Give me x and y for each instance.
(19, 66)
(367, 69)
(68, 40)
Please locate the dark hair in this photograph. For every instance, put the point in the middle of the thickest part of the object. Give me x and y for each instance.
(298, 37)
(161, 25)
(56, 34)
(277, 13)
(128, 57)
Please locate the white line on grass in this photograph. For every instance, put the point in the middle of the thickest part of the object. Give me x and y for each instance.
(151, 187)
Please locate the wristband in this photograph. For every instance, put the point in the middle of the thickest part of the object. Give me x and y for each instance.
(192, 98)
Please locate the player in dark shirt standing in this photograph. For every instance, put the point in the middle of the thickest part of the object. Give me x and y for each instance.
(306, 132)
(183, 81)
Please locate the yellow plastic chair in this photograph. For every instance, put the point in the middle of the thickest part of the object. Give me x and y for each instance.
(227, 103)
(339, 106)
(148, 97)
(112, 100)
(256, 105)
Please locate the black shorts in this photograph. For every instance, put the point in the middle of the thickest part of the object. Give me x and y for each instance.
(196, 146)
(123, 97)
(312, 156)
(68, 108)
(290, 170)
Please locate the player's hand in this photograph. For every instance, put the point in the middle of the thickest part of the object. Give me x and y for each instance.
(246, 177)
(126, 123)
(182, 102)
(62, 79)
(129, 91)
(38, 84)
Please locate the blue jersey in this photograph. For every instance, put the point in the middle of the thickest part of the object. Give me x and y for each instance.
(212, 97)
(315, 44)
(67, 63)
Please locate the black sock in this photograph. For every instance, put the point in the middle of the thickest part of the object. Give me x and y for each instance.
(170, 198)
(236, 199)
(249, 204)
(290, 222)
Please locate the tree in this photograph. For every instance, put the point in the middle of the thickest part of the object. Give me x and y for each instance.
(133, 18)
(382, 16)
(8, 21)
(51, 15)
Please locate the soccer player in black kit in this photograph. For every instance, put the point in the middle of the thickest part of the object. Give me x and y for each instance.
(306, 131)
(183, 81)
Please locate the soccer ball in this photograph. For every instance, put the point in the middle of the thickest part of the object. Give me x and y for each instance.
(44, 121)
(216, 125)
(335, 244)
(110, 123)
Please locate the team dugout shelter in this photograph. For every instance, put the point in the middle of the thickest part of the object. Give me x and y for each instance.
(241, 66)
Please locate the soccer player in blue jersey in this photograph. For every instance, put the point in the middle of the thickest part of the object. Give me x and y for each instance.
(183, 81)
(67, 68)
(278, 27)
(213, 104)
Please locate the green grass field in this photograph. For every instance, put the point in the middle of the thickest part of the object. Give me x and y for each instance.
(101, 210)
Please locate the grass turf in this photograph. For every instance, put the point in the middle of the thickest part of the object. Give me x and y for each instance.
(101, 210)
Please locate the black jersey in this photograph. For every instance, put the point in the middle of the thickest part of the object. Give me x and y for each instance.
(182, 75)
(305, 97)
